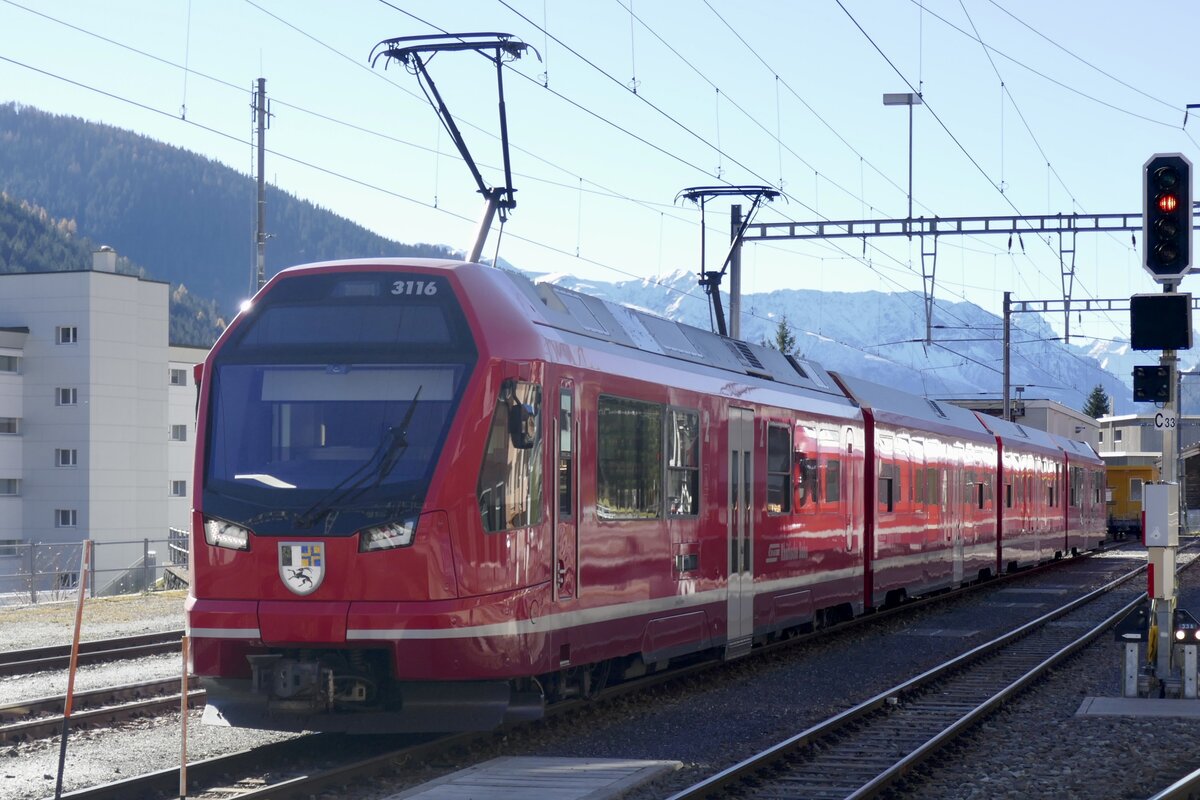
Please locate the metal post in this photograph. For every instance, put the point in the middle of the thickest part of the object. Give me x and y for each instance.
(735, 272)
(908, 227)
(1129, 671)
(1162, 559)
(1189, 671)
(32, 574)
(1007, 345)
(260, 110)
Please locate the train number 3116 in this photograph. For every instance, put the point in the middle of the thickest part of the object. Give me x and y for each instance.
(427, 288)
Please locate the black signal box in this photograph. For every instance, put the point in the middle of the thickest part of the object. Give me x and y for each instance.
(1151, 384)
(1160, 321)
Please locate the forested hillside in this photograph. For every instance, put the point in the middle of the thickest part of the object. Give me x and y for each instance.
(185, 218)
(31, 240)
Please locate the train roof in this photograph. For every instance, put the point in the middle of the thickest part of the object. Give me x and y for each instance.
(604, 320)
(1077, 450)
(1015, 435)
(895, 407)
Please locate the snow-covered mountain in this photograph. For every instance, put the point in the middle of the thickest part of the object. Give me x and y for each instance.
(880, 336)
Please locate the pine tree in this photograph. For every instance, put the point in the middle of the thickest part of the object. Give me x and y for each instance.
(785, 340)
(1097, 404)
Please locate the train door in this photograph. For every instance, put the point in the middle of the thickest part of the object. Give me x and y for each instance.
(958, 512)
(566, 505)
(741, 533)
(849, 481)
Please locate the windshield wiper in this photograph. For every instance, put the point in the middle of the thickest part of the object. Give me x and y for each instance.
(369, 475)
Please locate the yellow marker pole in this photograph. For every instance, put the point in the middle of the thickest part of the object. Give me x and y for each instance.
(183, 709)
(82, 582)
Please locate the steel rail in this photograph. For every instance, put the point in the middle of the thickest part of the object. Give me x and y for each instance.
(109, 710)
(41, 659)
(755, 766)
(1186, 788)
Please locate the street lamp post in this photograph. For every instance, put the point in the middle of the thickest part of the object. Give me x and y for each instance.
(909, 99)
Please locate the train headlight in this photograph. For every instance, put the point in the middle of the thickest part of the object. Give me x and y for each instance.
(386, 537)
(219, 533)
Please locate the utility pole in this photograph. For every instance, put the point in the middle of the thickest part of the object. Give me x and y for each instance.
(260, 232)
(1007, 353)
(735, 271)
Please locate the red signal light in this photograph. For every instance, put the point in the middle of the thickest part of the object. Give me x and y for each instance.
(1167, 202)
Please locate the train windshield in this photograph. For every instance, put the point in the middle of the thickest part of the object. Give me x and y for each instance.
(335, 395)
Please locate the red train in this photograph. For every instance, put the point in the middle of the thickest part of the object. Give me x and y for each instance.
(432, 495)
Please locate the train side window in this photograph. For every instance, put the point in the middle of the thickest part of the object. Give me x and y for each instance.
(1135, 490)
(833, 480)
(683, 462)
(887, 487)
(779, 469)
(933, 486)
(510, 480)
(566, 452)
(1008, 495)
(629, 449)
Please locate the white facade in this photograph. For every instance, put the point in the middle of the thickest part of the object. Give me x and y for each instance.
(87, 417)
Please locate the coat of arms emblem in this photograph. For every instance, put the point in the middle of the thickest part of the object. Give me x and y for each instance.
(302, 565)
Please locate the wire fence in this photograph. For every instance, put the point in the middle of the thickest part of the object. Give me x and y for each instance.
(38, 572)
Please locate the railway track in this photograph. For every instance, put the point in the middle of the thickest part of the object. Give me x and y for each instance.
(41, 659)
(873, 746)
(265, 772)
(40, 718)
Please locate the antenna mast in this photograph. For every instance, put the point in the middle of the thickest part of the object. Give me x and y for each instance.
(415, 52)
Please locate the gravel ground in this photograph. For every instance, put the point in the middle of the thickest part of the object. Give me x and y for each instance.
(1036, 747)
(45, 624)
(14, 688)
(29, 769)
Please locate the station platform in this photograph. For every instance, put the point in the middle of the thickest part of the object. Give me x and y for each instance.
(1138, 707)
(515, 778)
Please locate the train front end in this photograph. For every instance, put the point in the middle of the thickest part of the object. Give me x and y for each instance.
(323, 415)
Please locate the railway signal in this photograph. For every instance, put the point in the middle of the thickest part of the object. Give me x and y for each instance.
(1167, 216)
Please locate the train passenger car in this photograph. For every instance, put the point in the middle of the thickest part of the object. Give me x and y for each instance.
(930, 502)
(1031, 463)
(432, 495)
(1084, 506)
(1123, 488)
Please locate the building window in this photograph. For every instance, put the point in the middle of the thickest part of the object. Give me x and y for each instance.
(66, 396)
(179, 377)
(10, 364)
(10, 486)
(179, 433)
(65, 517)
(178, 488)
(1117, 435)
(1101, 437)
(66, 457)
(10, 426)
(66, 334)
(9, 547)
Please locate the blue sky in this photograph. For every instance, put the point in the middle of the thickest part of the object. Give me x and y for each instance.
(1060, 111)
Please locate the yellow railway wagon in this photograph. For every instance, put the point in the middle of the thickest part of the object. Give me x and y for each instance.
(1124, 496)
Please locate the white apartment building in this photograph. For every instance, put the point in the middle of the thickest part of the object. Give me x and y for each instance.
(97, 421)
